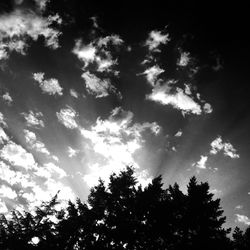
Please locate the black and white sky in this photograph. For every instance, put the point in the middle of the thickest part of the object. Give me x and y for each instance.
(87, 88)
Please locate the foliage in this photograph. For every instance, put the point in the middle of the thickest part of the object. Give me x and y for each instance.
(123, 215)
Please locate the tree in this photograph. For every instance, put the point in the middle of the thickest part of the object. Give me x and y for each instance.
(123, 215)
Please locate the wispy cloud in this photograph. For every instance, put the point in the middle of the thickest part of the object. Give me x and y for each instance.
(20, 26)
(33, 119)
(202, 162)
(72, 152)
(155, 39)
(73, 93)
(17, 155)
(166, 94)
(115, 140)
(227, 148)
(34, 143)
(7, 98)
(98, 55)
(242, 219)
(96, 86)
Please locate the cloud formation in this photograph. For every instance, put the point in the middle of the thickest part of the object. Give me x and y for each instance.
(167, 94)
(7, 98)
(20, 26)
(242, 219)
(97, 57)
(227, 148)
(67, 117)
(155, 39)
(49, 86)
(202, 162)
(114, 141)
(34, 143)
(33, 119)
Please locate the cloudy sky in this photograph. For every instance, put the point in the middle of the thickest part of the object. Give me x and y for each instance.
(86, 89)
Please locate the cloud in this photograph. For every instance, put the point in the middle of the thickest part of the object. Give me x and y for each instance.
(165, 95)
(152, 74)
(178, 134)
(155, 39)
(7, 98)
(72, 152)
(15, 177)
(168, 94)
(2, 120)
(35, 144)
(33, 119)
(113, 143)
(73, 93)
(238, 207)
(97, 56)
(50, 86)
(98, 53)
(41, 4)
(20, 26)
(227, 148)
(202, 162)
(17, 156)
(3, 208)
(242, 219)
(7, 192)
(67, 117)
(96, 86)
(184, 59)
(50, 170)
(3, 136)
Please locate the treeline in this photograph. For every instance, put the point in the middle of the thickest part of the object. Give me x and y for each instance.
(123, 215)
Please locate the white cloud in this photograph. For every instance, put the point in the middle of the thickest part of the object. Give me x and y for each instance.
(7, 192)
(17, 155)
(178, 99)
(238, 207)
(42, 4)
(20, 26)
(99, 56)
(67, 117)
(115, 140)
(72, 152)
(97, 86)
(7, 98)
(2, 120)
(50, 170)
(33, 119)
(13, 177)
(34, 143)
(201, 163)
(242, 219)
(73, 93)
(227, 148)
(178, 134)
(98, 53)
(184, 59)
(49, 86)
(3, 136)
(152, 74)
(207, 108)
(168, 94)
(155, 39)
(3, 208)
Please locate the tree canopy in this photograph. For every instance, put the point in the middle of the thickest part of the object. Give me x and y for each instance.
(123, 215)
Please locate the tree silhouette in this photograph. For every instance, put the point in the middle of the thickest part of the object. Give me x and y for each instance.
(123, 215)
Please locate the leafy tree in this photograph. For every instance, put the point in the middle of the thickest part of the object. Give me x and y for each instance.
(123, 215)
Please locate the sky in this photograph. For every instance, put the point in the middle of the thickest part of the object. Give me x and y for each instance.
(88, 88)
